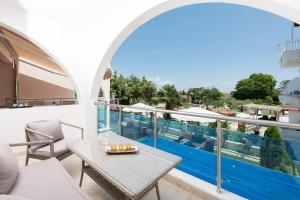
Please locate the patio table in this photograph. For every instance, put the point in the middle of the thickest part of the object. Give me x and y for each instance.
(124, 176)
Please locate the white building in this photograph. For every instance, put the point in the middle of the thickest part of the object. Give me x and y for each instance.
(290, 96)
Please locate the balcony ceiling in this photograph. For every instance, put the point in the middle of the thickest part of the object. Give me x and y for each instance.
(70, 11)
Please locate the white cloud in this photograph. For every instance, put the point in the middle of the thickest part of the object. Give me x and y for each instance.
(160, 82)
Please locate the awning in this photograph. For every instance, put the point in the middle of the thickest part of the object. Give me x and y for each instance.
(26, 50)
(140, 105)
(35, 74)
(43, 75)
(195, 110)
(252, 106)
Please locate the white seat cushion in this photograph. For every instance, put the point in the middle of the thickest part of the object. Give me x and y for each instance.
(8, 168)
(46, 180)
(60, 148)
(11, 197)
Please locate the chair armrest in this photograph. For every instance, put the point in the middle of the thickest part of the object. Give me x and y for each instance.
(39, 133)
(28, 144)
(33, 143)
(74, 126)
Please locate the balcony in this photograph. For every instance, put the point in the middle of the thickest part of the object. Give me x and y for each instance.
(290, 52)
(230, 161)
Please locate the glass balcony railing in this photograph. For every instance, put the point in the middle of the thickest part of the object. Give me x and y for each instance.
(260, 161)
(30, 102)
(290, 45)
(102, 118)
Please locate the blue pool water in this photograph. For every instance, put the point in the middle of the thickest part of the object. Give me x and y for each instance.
(246, 180)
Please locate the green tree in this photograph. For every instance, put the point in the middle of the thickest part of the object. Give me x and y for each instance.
(168, 94)
(207, 96)
(183, 92)
(257, 86)
(196, 94)
(119, 88)
(132, 89)
(134, 85)
(272, 151)
(148, 90)
(211, 96)
(235, 104)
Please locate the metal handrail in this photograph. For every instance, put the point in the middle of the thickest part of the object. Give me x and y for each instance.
(216, 117)
(38, 99)
(290, 45)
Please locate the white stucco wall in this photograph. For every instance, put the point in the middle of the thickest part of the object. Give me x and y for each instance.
(287, 95)
(12, 121)
(83, 35)
(294, 117)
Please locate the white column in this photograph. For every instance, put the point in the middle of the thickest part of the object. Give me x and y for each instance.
(106, 93)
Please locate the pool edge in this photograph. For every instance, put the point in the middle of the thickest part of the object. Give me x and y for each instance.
(198, 187)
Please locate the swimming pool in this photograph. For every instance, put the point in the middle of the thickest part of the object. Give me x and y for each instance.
(247, 180)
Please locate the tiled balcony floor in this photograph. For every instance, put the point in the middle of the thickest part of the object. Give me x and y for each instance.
(168, 191)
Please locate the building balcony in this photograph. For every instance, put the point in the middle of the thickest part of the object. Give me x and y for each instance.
(290, 54)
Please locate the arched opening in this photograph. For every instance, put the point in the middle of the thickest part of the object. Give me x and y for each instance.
(272, 7)
(30, 76)
(131, 127)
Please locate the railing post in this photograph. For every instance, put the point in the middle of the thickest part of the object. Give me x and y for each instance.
(97, 116)
(219, 166)
(120, 120)
(155, 129)
(107, 114)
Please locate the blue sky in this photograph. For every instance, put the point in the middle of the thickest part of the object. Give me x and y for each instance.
(206, 45)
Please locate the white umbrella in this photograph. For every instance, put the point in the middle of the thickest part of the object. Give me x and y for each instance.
(195, 110)
(135, 110)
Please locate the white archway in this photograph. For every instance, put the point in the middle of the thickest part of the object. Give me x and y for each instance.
(269, 6)
(272, 6)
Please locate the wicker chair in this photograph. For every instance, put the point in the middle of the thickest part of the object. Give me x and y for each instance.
(51, 131)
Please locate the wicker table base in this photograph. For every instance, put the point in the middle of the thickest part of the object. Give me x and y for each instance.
(112, 189)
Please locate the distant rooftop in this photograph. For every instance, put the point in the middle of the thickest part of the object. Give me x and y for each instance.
(252, 106)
